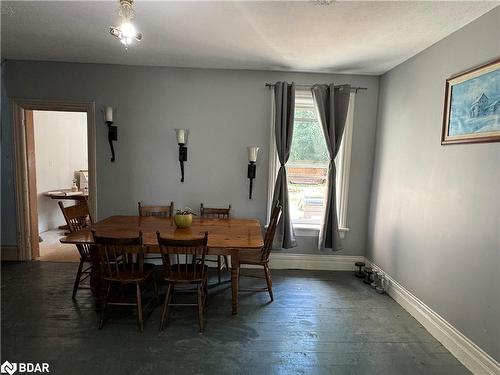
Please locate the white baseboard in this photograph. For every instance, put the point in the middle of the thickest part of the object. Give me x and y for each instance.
(327, 262)
(468, 353)
(9, 253)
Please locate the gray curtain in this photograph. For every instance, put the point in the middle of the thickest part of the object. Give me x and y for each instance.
(284, 102)
(331, 106)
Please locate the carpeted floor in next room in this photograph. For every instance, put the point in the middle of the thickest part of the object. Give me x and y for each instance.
(320, 323)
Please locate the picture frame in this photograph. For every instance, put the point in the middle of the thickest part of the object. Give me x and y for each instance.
(472, 106)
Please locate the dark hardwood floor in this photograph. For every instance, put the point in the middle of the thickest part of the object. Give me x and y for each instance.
(320, 323)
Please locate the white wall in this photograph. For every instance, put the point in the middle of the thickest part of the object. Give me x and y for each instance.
(435, 210)
(60, 150)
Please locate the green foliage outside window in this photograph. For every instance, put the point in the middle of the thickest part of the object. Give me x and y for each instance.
(308, 142)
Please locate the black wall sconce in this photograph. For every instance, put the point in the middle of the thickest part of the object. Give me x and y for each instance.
(182, 135)
(112, 130)
(252, 167)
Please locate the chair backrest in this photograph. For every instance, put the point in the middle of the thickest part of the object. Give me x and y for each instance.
(120, 257)
(160, 211)
(78, 218)
(271, 230)
(219, 213)
(189, 255)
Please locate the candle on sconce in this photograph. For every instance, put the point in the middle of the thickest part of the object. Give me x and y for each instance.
(181, 136)
(108, 114)
(252, 153)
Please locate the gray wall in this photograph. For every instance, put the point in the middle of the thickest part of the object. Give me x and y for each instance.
(225, 110)
(8, 200)
(435, 210)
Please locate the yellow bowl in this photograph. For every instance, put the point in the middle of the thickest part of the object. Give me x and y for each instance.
(183, 221)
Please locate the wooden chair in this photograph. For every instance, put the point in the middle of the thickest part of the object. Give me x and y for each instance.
(78, 218)
(219, 213)
(262, 258)
(188, 269)
(122, 265)
(160, 211)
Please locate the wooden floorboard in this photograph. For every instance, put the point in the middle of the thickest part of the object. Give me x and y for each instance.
(321, 322)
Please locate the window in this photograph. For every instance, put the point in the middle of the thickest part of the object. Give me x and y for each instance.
(307, 166)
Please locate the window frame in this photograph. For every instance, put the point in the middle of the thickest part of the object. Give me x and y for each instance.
(304, 100)
(342, 161)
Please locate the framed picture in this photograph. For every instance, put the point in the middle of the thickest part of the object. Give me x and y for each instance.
(472, 106)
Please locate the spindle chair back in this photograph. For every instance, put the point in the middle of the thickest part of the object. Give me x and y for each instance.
(160, 211)
(218, 213)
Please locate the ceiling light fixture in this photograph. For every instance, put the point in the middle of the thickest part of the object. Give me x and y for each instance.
(126, 32)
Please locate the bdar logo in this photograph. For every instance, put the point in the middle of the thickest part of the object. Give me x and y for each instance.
(8, 368)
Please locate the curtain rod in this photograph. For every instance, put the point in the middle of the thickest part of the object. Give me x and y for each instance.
(355, 89)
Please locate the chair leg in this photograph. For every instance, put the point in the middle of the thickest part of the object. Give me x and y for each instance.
(104, 306)
(139, 307)
(168, 297)
(200, 307)
(218, 267)
(205, 290)
(269, 281)
(227, 262)
(77, 279)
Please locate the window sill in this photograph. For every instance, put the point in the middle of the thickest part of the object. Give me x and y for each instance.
(310, 230)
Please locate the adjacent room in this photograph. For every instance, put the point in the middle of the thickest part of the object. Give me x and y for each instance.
(250, 187)
(61, 174)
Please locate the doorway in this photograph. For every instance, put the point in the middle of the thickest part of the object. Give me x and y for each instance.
(54, 145)
(61, 169)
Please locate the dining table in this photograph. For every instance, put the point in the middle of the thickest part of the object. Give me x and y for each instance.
(231, 237)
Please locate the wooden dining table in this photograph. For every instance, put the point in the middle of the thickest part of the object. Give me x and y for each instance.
(225, 237)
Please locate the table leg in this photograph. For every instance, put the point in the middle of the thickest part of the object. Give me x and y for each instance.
(235, 273)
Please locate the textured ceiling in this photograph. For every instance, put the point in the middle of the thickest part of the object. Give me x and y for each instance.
(344, 37)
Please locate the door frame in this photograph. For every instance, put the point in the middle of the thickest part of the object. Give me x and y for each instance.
(24, 161)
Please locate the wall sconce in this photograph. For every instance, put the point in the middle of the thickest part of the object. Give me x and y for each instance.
(252, 159)
(182, 135)
(112, 130)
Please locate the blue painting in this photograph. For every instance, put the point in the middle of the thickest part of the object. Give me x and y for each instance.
(474, 107)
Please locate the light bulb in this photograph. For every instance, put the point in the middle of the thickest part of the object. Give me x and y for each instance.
(128, 30)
